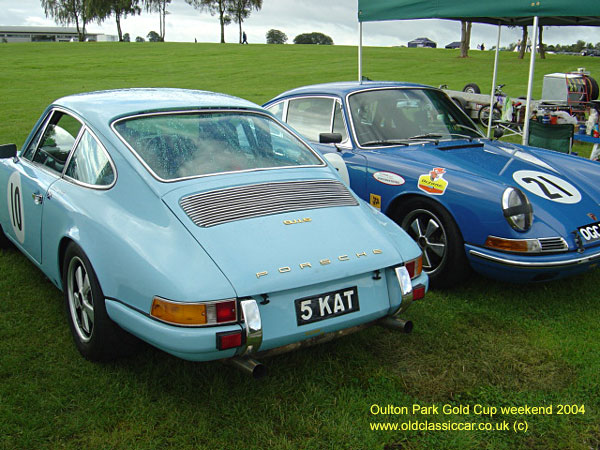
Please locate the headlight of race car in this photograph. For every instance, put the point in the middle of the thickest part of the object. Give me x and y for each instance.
(517, 210)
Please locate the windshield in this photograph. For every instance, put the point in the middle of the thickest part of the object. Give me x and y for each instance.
(400, 116)
(185, 145)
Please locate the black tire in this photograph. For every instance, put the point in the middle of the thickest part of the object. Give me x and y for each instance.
(593, 90)
(472, 88)
(96, 336)
(4, 242)
(484, 115)
(438, 236)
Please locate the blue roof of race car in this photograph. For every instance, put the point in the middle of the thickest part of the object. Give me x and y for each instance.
(344, 88)
(108, 105)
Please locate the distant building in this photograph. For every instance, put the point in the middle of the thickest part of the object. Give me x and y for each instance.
(422, 42)
(454, 44)
(48, 34)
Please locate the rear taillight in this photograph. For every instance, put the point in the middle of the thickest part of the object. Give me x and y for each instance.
(195, 314)
(414, 267)
(226, 311)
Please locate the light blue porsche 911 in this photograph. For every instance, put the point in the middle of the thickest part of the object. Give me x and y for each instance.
(200, 224)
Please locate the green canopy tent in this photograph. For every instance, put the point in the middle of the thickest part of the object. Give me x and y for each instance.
(507, 12)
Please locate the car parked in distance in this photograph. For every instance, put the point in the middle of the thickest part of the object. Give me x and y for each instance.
(508, 211)
(590, 52)
(198, 223)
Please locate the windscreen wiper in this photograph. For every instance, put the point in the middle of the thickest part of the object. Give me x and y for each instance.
(464, 136)
(432, 137)
(426, 136)
(383, 142)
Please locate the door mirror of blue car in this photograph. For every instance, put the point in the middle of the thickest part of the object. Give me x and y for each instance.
(330, 138)
(498, 133)
(8, 151)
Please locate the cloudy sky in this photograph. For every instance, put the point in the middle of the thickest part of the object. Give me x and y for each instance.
(336, 18)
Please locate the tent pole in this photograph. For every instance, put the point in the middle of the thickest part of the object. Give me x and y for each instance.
(530, 83)
(489, 129)
(360, 33)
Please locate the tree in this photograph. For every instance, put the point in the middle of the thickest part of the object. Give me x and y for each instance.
(313, 38)
(140, 39)
(465, 38)
(126, 37)
(79, 12)
(215, 7)
(241, 10)
(523, 43)
(541, 48)
(153, 36)
(121, 9)
(159, 6)
(276, 37)
(579, 46)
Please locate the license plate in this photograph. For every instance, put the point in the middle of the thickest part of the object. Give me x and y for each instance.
(590, 233)
(323, 306)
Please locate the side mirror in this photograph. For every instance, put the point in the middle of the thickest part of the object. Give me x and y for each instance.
(8, 151)
(498, 133)
(330, 138)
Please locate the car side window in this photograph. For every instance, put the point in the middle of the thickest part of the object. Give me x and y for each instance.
(30, 150)
(90, 163)
(277, 110)
(311, 116)
(57, 141)
(338, 121)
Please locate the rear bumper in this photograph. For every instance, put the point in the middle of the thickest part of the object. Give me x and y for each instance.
(199, 343)
(531, 268)
(191, 343)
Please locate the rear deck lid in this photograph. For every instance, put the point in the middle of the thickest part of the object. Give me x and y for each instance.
(270, 236)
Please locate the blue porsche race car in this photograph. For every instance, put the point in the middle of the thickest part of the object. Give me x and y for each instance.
(200, 224)
(508, 211)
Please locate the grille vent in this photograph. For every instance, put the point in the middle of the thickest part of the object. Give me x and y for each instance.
(221, 206)
(553, 244)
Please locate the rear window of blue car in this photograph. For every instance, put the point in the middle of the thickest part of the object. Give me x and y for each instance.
(184, 145)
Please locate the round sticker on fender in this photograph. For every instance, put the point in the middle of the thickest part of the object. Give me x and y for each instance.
(547, 186)
(393, 179)
(15, 206)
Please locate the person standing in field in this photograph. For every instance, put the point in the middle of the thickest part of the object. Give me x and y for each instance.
(244, 38)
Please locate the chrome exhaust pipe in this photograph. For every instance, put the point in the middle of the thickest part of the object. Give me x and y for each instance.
(249, 366)
(395, 323)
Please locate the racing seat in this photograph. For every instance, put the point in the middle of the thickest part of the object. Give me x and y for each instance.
(554, 137)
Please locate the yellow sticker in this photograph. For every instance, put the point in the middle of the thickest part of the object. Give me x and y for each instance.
(375, 201)
(433, 182)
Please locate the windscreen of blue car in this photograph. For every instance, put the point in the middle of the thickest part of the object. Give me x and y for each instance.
(185, 145)
(389, 116)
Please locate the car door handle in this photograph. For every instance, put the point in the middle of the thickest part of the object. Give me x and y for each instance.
(37, 198)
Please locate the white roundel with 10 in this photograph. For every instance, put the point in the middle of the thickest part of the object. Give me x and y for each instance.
(547, 186)
(15, 206)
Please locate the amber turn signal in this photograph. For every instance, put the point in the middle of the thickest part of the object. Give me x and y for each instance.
(195, 314)
(513, 245)
(179, 313)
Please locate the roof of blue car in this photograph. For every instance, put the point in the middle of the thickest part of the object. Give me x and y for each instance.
(106, 105)
(343, 88)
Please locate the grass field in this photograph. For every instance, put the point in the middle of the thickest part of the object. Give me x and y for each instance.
(486, 343)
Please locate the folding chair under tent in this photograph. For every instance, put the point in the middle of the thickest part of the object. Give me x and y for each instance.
(508, 12)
